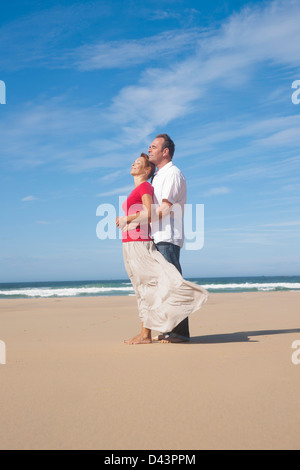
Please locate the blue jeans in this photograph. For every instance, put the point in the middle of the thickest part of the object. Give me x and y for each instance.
(172, 254)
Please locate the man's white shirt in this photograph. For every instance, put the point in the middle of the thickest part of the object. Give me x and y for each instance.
(169, 183)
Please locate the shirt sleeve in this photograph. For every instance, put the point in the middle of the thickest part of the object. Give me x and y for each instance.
(174, 187)
(146, 188)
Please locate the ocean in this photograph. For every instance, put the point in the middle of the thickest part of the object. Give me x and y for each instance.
(23, 290)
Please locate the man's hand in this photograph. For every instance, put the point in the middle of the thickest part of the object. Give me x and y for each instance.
(164, 209)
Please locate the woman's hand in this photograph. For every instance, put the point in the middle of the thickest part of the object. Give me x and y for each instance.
(121, 222)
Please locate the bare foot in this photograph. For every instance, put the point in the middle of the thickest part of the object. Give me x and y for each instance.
(171, 339)
(139, 339)
(159, 337)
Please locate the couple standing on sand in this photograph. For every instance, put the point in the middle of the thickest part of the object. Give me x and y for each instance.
(164, 298)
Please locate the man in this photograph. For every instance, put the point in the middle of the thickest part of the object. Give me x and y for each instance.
(167, 232)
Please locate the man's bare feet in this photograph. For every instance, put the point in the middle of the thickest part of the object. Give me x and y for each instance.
(172, 339)
(159, 337)
(169, 339)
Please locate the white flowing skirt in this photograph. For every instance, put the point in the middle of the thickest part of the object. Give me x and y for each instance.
(164, 298)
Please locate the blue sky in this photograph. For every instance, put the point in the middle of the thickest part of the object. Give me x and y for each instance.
(90, 84)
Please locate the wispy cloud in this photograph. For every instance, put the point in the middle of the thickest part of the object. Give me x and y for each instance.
(259, 170)
(45, 38)
(126, 53)
(266, 32)
(29, 199)
(215, 58)
(226, 57)
(47, 222)
(40, 33)
(111, 177)
(292, 223)
(164, 14)
(217, 191)
(117, 191)
(58, 133)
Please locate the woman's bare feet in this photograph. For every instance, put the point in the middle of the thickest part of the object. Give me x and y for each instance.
(139, 339)
(144, 337)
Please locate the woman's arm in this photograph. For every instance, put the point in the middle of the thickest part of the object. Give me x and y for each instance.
(140, 217)
(143, 216)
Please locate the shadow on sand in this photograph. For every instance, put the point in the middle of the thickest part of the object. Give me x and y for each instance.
(239, 337)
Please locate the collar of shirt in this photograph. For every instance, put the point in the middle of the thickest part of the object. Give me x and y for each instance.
(164, 169)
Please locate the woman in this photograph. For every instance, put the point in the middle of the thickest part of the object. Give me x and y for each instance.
(164, 297)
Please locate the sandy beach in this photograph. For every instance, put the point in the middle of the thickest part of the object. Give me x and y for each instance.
(70, 382)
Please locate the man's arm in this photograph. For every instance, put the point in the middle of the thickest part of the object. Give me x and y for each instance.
(172, 191)
(164, 209)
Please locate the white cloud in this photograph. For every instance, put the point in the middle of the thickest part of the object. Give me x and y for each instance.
(224, 57)
(45, 35)
(32, 39)
(292, 223)
(117, 191)
(29, 199)
(217, 191)
(270, 32)
(69, 136)
(57, 133)
(164, 14)
(126, 53)
(285, 137)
